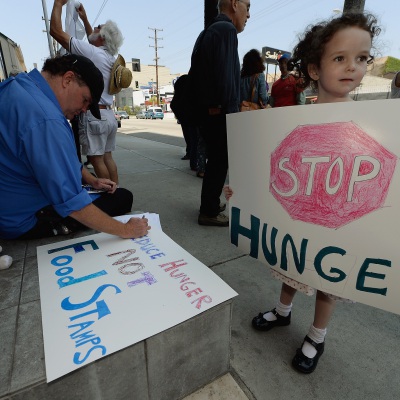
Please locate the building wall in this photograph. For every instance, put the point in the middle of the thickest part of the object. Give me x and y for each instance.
(146, 78)
(11, 58)
(148, 74)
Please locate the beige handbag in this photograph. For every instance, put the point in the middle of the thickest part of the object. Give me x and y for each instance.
(249, 105)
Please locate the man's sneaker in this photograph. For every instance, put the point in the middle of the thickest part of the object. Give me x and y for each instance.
(218, 220)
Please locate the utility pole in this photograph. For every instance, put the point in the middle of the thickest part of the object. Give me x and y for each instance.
(46, 21)
(353, 6)
(156, 47)
(210, 11)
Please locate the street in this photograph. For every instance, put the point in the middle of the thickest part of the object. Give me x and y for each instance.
(167, 126)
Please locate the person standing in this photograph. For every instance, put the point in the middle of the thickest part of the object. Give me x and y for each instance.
(252, 76)
(333, 57)
(216, 70)
(104, 41)
(286, 91)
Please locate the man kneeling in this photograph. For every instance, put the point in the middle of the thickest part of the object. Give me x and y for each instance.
(42, 193)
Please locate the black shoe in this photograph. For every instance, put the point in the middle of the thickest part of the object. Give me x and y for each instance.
(218, 220)
(261, 324)
(185, 157)
(304, 364)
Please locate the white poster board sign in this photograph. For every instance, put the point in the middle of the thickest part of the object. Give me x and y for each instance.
(317, 195)
(100, 294)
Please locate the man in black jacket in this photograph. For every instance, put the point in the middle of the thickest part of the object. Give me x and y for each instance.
(216, 68)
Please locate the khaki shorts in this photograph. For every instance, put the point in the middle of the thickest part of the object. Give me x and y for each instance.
(97, 136)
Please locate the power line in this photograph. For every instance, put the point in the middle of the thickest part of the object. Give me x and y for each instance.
(100, 11)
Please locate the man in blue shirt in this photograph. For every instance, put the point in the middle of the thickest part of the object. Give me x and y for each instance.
(41, 175)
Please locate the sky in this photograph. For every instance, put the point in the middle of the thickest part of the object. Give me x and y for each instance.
(177, 23)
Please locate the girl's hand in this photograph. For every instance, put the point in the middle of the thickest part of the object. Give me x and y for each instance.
(228, 192)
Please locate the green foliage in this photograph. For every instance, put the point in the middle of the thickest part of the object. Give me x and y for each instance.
(392, 65)
(137, 110)
(128, 110)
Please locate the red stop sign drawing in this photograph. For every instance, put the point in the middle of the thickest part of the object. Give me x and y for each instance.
(330, 174)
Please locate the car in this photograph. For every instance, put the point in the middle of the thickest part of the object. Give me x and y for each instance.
(118, 118)
(122, 114)
(141, 115)
(155, 113)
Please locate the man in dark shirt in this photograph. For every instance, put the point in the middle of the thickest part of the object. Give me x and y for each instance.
(216, 68)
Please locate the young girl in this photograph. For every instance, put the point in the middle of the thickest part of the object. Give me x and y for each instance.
(333, 56)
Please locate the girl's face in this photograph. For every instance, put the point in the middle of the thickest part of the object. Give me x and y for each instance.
(343, 65)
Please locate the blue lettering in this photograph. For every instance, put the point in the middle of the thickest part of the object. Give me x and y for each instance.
(78, 247)
(77, 354)
(158, 255)
(363, 274)
(67, 305)
(67, 270)
(300, 263)
(101, 309)
(270, 256)
(58, 263)
(318, 264)
(252, 234)
(142, 241)
(86, 338)
(82, 326)
(69, 280)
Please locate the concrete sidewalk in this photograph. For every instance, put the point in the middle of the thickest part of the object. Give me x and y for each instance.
(362, 354)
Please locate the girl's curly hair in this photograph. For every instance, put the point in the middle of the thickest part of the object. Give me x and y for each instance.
(311, 47)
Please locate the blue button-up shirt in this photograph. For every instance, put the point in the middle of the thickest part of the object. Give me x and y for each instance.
(38, 162)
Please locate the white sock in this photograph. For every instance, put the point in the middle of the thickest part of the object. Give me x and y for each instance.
(281, 309)
(318, 336)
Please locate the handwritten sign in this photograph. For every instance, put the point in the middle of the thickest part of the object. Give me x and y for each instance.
(100, 294)
(317, 195)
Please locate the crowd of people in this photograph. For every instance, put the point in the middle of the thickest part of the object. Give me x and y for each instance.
(42, 187)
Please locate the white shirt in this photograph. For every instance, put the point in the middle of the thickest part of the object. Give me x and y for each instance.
(101, 58)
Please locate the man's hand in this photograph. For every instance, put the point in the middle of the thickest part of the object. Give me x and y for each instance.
(96, 219)
(56, 29)
(98, 183)
(135, 228)
(105, 184)
(82, 12)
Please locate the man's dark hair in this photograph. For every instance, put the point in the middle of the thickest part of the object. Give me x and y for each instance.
(58, 66)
